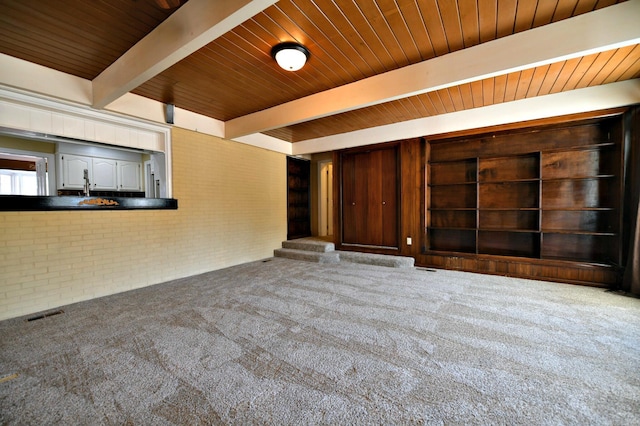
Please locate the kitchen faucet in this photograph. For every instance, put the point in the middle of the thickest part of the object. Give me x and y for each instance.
(87, 185)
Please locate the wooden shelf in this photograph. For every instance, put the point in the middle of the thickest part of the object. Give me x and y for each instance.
(462, 240)
(578, 247)
(461, 218)
(473, 228)
(509, 181)
(509, 219)
(433, 185)
(581, 178)
(581, 209)
(581, 147)
(558, 231)
(507, 209)
(462, 209)
(528, 231)
(509, 243)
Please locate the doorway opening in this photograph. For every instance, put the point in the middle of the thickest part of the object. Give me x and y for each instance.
(325, 198)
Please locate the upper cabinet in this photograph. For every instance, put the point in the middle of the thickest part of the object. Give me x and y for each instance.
(71, 171)
(104, 171)
(129, 176)
(104, 174)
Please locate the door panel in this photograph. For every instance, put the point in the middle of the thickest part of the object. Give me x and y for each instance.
(362, 207)
(389, 167)
(369, 198)
(349, 214)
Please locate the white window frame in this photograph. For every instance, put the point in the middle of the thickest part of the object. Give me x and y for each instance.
(44, 174)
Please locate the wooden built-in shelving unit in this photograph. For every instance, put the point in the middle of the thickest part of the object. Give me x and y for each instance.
(549, 194)
(298, 198)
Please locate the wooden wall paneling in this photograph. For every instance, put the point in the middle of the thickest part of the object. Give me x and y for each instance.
(548, 270)
(495, 145)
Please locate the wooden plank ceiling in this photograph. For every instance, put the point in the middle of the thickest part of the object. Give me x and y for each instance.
(349, 40)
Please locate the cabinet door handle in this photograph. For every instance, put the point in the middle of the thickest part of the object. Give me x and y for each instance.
(384, 202)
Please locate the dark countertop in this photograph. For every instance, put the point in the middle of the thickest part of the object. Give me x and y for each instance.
(42, 203)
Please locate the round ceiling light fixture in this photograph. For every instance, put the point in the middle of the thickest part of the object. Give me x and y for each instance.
(290, 56)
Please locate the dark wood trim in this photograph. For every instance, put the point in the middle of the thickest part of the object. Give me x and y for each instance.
(41, 203)
(589, 274)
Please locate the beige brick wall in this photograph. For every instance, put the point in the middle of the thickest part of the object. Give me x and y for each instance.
(231, 210)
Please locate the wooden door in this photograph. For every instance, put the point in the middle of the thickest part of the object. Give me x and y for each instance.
(369, 198)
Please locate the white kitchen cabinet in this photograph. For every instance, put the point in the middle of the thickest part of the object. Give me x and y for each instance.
(71, 171)
(104, 176)
(129, 176)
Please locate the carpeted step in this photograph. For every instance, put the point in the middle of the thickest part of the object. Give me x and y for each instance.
(309, 244)
(309, 256)
(377, 259)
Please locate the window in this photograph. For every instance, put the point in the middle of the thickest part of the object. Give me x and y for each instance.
(23, 174)
(18, 182)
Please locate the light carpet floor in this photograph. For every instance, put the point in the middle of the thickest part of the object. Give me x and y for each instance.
(285, 342)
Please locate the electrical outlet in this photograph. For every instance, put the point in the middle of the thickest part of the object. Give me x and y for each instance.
(409, 241)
